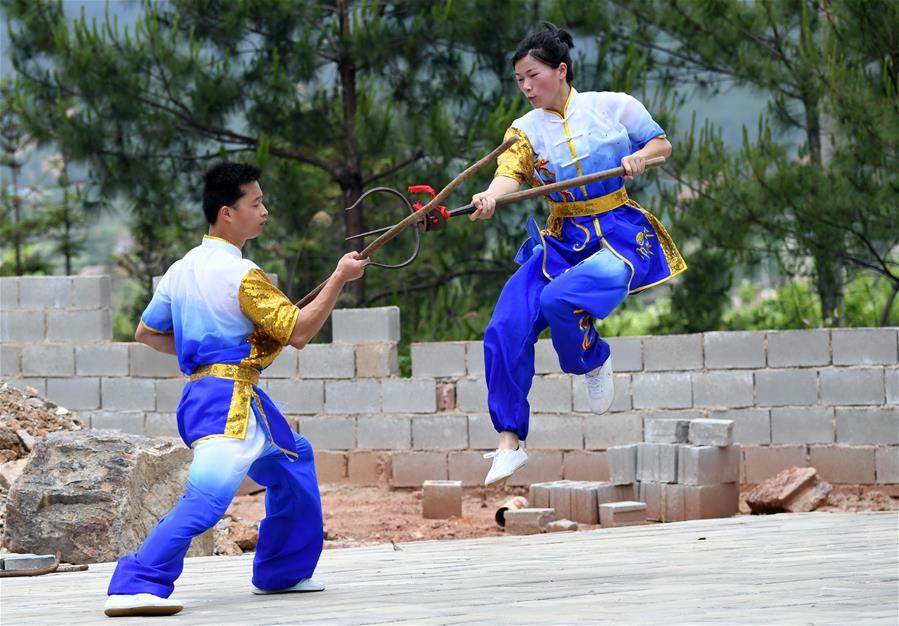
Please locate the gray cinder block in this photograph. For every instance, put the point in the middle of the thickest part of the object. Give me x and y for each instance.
(672, 353)
(327, 360)
(661, 430)
(372, 325)
(711, 432)
(353, 396)
(733, 350)
(863, 346)
(708, 465)
(792, 348)
(622, 464)
(409, 395)
(438, 359)
(443, 432)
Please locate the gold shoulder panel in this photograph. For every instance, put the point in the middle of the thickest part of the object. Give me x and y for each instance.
(267, 307)
(518, 161)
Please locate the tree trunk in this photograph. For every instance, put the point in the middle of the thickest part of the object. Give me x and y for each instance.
(885, 314)
(351, 175)
(829, 285)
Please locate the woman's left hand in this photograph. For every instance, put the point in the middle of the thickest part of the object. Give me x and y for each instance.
(633, 165)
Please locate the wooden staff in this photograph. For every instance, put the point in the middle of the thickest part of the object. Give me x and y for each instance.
(418, 216)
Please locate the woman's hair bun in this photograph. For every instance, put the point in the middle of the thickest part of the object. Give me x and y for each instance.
(560, 33)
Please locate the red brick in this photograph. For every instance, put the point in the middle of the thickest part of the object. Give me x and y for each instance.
(580, 465)
(762, 462)
(441, 499)
(330, 466)
(446, 396)
(844, 464)
(542, 466)
(469, 467)
(368, 468)
(411, 469)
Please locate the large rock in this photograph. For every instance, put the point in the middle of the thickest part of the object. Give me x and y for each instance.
(95, 495)
(794, 490)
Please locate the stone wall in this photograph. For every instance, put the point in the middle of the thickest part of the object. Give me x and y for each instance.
(826, 398)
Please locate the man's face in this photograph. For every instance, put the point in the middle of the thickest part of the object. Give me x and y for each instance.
(248, 215)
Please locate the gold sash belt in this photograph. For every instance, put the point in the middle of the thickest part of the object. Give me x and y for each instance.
(593, 206)
(239, 373)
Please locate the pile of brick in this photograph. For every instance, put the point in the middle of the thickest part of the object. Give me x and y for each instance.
(684, 470)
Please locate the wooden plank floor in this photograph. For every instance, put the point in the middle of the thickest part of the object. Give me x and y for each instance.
(816, 568)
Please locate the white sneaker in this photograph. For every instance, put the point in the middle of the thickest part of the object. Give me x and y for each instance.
(124, 605)
(600, 387)
(505, 463)
(305, 585)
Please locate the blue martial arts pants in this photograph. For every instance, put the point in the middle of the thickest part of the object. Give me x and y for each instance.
(530, 302)
(291, 535)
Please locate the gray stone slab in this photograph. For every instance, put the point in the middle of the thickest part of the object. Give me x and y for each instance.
(556, 432)
(440, 432)
(9, 292)
(300, 397)
(327, 360)
(48, 359)
(15, 562)
(730, 389)
(91, 292)
(666, 430)
(481, 433)
(352, 396)
(786, 387)
(474, 357)
(614, 429)
(128, 394)
(852, 385)
(798, 348)
(672, 353)
(10, 361)
(750, 425)
(868, 425)
(627, 353)
(45, 291)
(146, 362)
(101, 359)
(471, 395)
(409, 395)
(21, 326)
(711, 432)
(734, 350)
(69, 325)
(812, 424)
(662, 390)
(75, 394)
(372, 325)
(383, 432)
(551, 394)
(886, 460)
(865, 346)
(438, 359)
(329, 433)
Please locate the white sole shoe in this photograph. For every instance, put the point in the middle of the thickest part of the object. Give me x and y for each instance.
(306, 585)
(505, 463)
(600, 387)
(126, 605)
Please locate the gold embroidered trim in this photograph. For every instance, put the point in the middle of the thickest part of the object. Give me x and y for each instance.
(229, 371)
(673, 256)
(593, 206)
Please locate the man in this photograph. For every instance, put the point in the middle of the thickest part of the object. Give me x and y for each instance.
(225, 321)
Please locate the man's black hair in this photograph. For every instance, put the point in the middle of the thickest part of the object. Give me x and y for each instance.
(549, 45)
(222, 184)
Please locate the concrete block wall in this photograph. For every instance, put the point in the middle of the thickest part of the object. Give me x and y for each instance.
(812, 397)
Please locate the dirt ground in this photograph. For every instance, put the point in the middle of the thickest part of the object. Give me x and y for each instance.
(360, 515)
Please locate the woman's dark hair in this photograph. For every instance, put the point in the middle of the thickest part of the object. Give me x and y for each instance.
(549, 45)
(222, 184)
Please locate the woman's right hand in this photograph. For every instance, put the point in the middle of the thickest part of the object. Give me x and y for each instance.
(484, 204)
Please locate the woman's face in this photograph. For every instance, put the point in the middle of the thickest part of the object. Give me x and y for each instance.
(539, 82)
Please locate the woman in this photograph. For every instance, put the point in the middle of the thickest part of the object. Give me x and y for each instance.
(598, 246)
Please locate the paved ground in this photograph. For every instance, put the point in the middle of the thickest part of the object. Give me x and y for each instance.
(818, 568)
